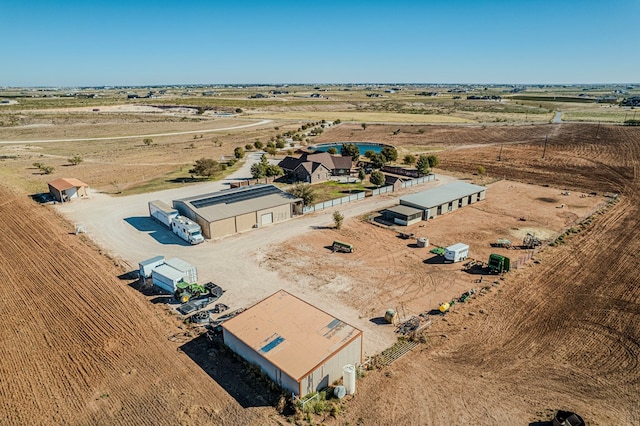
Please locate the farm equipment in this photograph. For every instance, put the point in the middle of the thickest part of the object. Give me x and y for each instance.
(502, 242)
(499, 264)
(437, 250)
(186, 291)
(405, 236)
(343, 247)
(211, 293)
(466, 295)
(531, 241)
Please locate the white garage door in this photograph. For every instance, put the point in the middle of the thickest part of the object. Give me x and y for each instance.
(266, 219)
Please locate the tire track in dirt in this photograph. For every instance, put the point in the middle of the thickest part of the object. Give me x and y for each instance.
(80, 347)
(564, 333)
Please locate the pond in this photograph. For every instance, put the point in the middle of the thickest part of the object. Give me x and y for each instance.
(363, 146)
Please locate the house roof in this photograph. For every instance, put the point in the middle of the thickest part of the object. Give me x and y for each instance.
(331, 162)
(442, 194)
(233, 202)
(289, 163)
(311, 167)
(66, 183)
(290, 333)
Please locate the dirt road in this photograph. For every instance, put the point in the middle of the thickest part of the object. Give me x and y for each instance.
(122, 227)
(151, 135)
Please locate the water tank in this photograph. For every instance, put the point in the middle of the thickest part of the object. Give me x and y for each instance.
(349, 378)
(423, 242)
(339, 392)
(391, 316)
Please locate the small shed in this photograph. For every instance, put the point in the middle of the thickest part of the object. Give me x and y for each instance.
(403, 215)
(300, 347)
(173, 271)
(65, 189)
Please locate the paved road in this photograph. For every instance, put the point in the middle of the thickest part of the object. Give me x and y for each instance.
(108, 138)
(122, 226)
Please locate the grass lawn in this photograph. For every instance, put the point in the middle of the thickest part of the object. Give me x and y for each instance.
(330, 190)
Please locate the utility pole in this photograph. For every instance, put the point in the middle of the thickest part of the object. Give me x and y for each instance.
(544, 151)
(500, 154)
(598, 130)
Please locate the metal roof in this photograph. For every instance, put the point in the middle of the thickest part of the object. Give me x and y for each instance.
(290, 333)
(179, 264)
(404, 210)
(442, 194)
(151, 261)
(233, 202)
(167, 271)
(65, 183)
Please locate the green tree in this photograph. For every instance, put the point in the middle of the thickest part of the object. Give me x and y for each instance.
(364, 126)
(481, 170)
(264, 169)
(378, 161)
(390, 153)
(280, 143)
(361, 174)
(75, 160)
(377, 178)
(206, 167)
(409, 159)
(272, 150)
(338, 218)
(304, 191)
(248, 147)
(422, 165)
(238, 152)
(147, 141)
(349, 149)
(333, 150)
(433, 160)
(369, 153)
(258, 145)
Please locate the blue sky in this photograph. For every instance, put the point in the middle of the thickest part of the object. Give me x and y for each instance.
(114, 42)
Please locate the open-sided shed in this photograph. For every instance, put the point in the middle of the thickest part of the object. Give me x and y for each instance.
(443, 199)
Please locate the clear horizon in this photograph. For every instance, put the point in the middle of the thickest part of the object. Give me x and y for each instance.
(142, 43)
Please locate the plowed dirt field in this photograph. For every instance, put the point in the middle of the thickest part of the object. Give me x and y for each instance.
(80, 346)
(564, 334)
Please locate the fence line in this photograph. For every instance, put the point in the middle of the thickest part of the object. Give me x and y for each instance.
(361, 195)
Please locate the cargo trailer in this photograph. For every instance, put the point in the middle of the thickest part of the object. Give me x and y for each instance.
(456, 253)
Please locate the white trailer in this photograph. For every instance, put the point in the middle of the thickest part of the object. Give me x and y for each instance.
(183, 227)
(173, 271)
(147, 266)
(456, 253)
(162, 212)
(187, 229)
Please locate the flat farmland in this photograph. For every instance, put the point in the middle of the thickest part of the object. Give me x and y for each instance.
(563, 333)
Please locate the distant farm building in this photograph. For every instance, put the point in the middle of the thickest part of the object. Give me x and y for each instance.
(235, 210)
(318, 167)
(436, 202)
(66, 189)
(300, 347)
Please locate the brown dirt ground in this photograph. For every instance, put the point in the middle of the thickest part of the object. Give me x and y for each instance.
(386, 271)
(82, 348)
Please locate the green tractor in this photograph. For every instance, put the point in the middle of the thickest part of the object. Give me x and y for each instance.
(186, 291)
